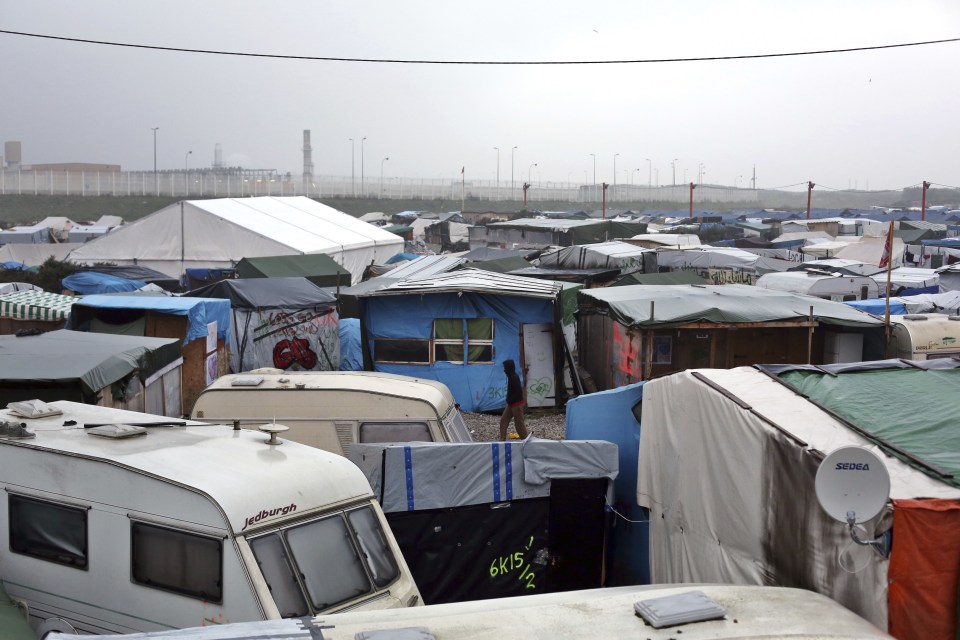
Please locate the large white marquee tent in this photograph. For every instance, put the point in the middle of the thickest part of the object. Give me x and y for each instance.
(219, 233)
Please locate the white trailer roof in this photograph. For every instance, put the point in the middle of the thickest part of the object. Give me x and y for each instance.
(236, 469)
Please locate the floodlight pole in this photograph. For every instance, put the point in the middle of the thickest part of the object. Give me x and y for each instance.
(605, 185)
(923, 206)
(810, 187)
(692, 187)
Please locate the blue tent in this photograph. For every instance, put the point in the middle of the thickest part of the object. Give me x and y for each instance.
(87, 282)
(614, 416)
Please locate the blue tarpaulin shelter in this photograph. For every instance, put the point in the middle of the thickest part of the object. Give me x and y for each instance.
(351, 345)
(458, 328)
(199, 311)
(90, 282)
(614, 416)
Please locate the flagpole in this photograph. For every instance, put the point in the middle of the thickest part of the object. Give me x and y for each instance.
(888, 254)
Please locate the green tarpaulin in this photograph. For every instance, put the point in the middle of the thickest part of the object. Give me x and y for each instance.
(318, 268)
(916, 410)
(670, 277)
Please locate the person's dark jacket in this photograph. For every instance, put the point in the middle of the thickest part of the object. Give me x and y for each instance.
(514, 386)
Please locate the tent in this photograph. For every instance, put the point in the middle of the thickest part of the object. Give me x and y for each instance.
(459, 327)
(727, 466)
(220, 232)
(599, 255)
(547, 232)
(318, 268)
(287, 323)
(124, 372)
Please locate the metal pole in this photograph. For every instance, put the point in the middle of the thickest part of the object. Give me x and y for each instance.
(353, 168)
(498, 172)
(512, 188)
(649, 173)
(692, 187)
(381, 176)
(156, 178)
(923, 206)
(810, 187)
(362, 191)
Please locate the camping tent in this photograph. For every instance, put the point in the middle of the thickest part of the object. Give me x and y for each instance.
(221, 232)
(287, 323)
(727, 466)
(86, 282)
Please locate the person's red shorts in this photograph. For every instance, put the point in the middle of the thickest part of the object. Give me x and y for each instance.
(518, 403)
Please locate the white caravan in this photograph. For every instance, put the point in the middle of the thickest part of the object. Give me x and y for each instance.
(839, 288)
(749, 612)
(925, 336)
(182, 526)
(333, 409)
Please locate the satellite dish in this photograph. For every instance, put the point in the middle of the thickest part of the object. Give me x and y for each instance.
(852, 485)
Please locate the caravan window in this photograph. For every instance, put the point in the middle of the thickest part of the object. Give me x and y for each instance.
(177, 561)
(394, 432)
(48, 531)
(401, 351)
(321, 563)
(450, 335)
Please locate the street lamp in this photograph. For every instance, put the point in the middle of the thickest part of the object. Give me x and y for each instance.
(657, 172)
(497, 149)
(186, 161)
(511, 172)
(353, 168)
(631, 175)
(361, 165)
(381, 175)
(649, 173)
(673, 165)
(700, 173)
(156, 178)
(736, 182)
(529, 169)
(594, 156)
(615, 169)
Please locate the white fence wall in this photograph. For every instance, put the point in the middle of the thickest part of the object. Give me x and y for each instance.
(208, 184)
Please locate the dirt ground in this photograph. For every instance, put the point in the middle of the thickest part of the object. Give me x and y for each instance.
(550, 425)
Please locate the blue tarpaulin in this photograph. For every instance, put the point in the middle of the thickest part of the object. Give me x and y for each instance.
(877, 306)
(199, 311)
(351, 345)
(89, 282)
(609, 415)
(477, 386)
(401, 257)
(11, 265)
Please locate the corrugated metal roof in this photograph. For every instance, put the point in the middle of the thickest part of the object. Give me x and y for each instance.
(424, 267)
(475, 281)
(541, 223)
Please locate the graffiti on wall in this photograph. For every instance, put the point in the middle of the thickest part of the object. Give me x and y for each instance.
(297, 340)
(627, 367)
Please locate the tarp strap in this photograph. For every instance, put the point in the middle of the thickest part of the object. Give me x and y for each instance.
(508, 463)
(408, 464)
(495, 449)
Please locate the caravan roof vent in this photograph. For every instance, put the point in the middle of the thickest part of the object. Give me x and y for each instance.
(246, 381)
(915, 316)
(403, 633)
(273, 429)
(681, 608)
(15, 431)
(117, 431)
(33, 409)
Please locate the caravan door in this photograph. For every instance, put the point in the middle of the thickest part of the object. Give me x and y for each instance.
(537, 358)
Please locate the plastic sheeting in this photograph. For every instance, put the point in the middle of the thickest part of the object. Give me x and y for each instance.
(351, 345)
(613, 416)
(727, 467)
(87, 282)
(199, 311)
(424, 476)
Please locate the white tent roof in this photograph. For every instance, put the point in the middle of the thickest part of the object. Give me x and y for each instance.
(219, 233)
(610, 254)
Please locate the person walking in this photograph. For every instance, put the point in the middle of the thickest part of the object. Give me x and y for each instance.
(514, 408)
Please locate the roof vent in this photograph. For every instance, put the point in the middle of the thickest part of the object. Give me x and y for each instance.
(15, 431)
(691, 606)
(246, 381)
(953, 318)
(33, 409)
(915, 316)
(117, 431)
(404, 633)
(273, 429)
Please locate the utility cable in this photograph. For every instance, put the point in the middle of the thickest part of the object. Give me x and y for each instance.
(479, 62)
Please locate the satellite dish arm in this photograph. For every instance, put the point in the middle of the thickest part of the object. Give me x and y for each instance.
(881, 543)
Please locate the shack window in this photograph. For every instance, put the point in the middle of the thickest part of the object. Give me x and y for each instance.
(406, 351)
(394, 432)
(450, 335)
(177, 561)
(48, 531)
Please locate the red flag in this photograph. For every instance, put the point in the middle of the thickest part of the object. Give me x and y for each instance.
(887, 256)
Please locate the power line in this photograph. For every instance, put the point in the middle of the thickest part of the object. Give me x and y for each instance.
(477, 62)
(947, 186)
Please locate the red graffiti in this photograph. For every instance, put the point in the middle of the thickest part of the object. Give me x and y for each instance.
(625, 352)
(287, 352)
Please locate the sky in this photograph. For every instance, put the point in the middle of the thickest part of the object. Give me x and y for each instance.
(882, 119)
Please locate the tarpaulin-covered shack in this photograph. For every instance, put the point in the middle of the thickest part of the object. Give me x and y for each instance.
(547, 231)
(728, 460)
(459, 327)
(491, 520)
(639, 332)
(287, 323)
(201, 324)
(124, 372)
(33, 309)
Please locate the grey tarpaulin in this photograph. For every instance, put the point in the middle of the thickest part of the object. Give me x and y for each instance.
(417, 476)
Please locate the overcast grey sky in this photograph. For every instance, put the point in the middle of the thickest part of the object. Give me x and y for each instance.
(886, 119)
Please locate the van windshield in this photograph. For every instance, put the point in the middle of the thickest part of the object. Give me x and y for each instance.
(315, 565)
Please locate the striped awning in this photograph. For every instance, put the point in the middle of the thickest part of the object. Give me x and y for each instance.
(36, 305)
